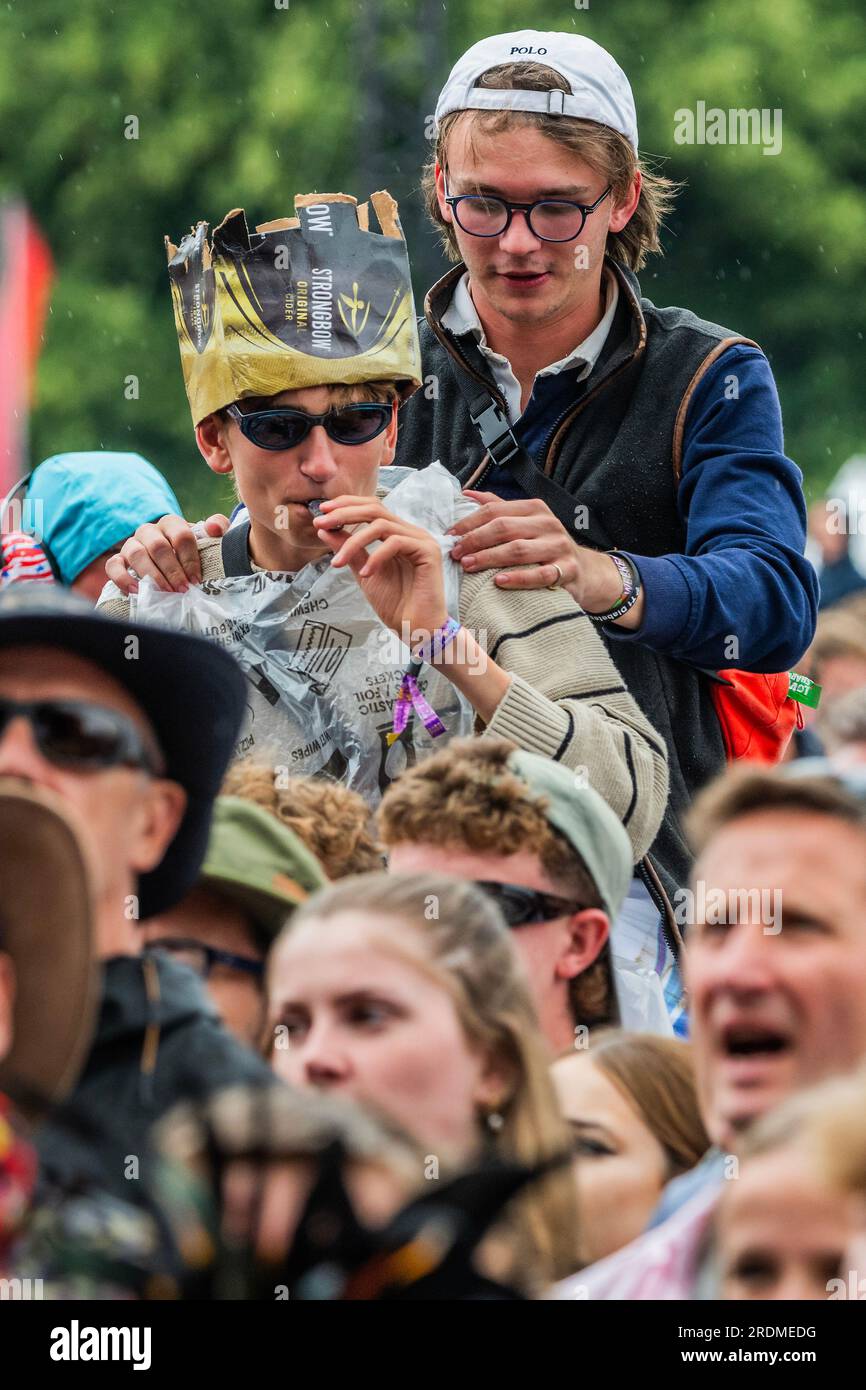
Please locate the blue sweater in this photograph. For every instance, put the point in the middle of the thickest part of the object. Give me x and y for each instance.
(743, 574)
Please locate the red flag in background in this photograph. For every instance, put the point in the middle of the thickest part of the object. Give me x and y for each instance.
(25, 279)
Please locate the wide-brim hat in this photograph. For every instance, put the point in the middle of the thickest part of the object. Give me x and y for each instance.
(46, 927)
(192, 691)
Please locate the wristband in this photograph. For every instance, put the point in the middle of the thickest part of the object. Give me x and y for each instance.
(439, 640)
(631, 587)
(409, 696)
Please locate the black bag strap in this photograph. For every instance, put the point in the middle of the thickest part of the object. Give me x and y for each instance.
(505, 449)
(235, 552)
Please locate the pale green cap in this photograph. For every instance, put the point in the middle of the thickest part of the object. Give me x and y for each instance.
(585, 820)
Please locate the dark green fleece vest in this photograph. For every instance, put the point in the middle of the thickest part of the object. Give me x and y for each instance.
(617, 451)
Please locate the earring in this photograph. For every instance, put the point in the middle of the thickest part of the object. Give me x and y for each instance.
(494, 1121)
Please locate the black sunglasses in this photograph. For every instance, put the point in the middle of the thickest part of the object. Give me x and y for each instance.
(520, 906)
(202, 958)
(75, 734)
(286, 428)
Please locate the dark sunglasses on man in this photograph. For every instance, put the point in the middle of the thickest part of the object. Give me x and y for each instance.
(285, 427)
(81, 736)
(520, 906)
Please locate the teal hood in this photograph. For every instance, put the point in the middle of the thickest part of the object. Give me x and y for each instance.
(91, 502)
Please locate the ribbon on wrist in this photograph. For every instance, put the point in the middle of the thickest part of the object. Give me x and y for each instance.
(410, 696)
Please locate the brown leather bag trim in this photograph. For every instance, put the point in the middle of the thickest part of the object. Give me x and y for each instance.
(680, 422)
(670, 915)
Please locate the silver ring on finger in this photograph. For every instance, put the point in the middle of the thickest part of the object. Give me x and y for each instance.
(559, 578)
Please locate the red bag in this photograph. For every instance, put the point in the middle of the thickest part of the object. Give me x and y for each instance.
(756, 715)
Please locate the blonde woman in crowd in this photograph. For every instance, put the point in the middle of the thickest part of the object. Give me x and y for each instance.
(405, 993)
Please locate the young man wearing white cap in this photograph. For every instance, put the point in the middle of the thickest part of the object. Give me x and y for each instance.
(632, 454)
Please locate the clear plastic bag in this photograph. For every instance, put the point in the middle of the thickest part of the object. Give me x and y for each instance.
(323, 670)
(640, 997)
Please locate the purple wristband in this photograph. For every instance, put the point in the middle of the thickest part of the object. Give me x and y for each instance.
(439, 640)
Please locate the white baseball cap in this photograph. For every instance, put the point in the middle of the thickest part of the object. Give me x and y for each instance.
(600, 90)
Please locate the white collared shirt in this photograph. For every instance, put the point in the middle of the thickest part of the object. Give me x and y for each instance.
(461, 316)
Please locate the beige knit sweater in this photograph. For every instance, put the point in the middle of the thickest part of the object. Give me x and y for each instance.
(566, 700)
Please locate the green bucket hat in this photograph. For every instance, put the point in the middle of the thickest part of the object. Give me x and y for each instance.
(258, 863)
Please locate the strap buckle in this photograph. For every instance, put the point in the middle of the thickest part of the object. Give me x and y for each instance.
(497, 435)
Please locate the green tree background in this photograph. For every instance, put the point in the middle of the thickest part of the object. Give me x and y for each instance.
(245, 102)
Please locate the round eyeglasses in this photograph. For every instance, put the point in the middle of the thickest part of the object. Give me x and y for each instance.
(549, 219)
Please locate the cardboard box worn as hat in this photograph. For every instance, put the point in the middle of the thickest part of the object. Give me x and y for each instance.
(311, 300)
